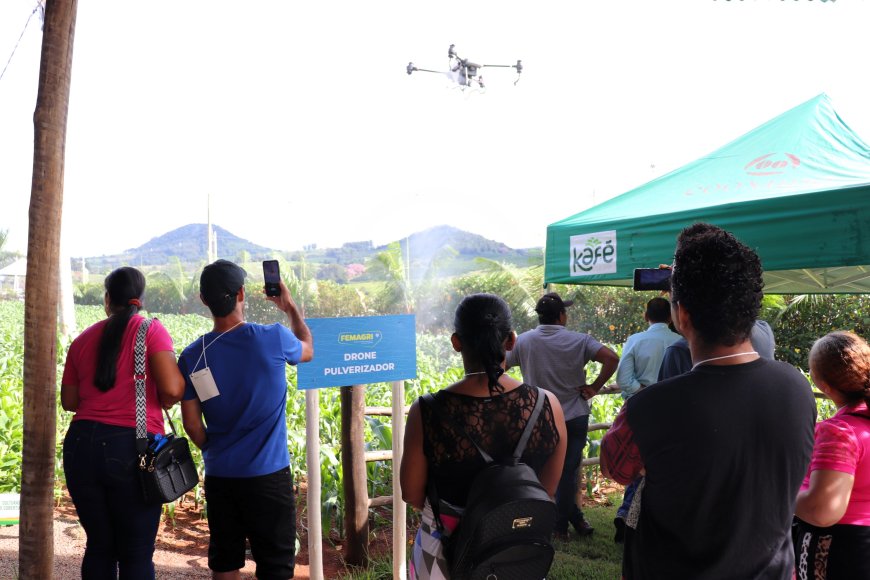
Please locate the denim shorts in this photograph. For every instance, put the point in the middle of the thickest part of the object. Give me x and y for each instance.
(260, 509)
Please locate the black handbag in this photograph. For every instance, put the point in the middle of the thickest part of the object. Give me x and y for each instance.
(166, 467)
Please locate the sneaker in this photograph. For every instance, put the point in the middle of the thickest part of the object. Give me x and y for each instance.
(619, 536)
(582, 527)
(561, 535)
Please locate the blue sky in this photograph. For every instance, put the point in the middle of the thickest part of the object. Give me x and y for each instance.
(299, 121)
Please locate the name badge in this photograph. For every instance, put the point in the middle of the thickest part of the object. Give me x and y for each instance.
(204, 385)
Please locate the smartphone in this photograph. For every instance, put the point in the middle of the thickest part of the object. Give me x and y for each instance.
(652, 279)
(272, 275)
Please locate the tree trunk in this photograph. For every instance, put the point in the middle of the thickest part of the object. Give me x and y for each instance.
(36, 543)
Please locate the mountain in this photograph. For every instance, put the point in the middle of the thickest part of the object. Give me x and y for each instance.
(188, 244)
(457, 251)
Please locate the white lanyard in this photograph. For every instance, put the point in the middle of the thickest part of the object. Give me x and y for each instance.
(706, 360)
(205, 346)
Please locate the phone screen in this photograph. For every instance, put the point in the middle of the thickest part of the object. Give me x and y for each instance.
(652, 279)
(272, 275)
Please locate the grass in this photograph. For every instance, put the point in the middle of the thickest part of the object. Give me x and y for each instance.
(596, 557)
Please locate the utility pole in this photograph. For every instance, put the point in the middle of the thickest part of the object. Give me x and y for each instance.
(210, 235)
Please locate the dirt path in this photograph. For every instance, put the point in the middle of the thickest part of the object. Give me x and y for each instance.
(181, 549)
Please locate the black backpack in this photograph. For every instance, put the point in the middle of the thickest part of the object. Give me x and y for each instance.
(506, 529)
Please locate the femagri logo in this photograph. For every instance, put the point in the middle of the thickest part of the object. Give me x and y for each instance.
(365, 338)
(593, 254)
(772, 164)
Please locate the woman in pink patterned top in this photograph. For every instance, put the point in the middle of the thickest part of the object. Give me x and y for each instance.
(832, 527)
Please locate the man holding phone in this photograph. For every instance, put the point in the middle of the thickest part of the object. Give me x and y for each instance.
(236, 381)
(723, 447)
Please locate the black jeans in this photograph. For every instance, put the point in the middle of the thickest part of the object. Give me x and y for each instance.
(99, 461)
(566, 493)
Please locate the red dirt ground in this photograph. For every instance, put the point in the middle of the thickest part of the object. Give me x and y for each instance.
(183, 544)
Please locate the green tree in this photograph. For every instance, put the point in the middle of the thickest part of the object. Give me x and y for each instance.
(183, 295)
(6, 257)
(397, 295)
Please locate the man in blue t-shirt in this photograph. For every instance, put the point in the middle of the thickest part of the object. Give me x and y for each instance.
(235, 379)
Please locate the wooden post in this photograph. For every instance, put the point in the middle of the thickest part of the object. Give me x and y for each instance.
(354, 480)
(400, 521)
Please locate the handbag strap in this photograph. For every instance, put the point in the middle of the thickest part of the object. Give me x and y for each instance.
(139, 379)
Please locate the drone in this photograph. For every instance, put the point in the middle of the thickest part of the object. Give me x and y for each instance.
(465, 73)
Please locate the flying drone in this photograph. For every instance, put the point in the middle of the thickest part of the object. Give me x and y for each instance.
(464, 72)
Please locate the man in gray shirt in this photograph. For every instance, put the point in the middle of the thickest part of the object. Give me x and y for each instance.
(554, 358)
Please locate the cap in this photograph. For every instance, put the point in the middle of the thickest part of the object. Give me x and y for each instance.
(219, 280)
(551, 303)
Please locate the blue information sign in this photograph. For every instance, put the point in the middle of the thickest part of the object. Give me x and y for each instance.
(360, 351)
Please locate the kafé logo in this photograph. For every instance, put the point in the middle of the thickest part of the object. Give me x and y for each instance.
(772, 164)
(593, 254)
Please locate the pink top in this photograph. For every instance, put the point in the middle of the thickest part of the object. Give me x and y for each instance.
(117, 406)
(842, 444)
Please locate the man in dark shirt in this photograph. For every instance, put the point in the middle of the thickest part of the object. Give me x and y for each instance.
(724, 446)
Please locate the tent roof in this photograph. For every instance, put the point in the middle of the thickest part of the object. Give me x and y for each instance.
(797, 189)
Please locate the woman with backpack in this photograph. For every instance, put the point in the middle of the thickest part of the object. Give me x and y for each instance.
(831, 532)
(450, 436)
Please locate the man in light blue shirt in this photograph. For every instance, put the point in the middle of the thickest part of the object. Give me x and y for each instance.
(639, 368)
(643, 352)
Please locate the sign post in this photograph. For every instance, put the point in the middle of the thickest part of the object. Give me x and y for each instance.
(355, 351)
(400, 522)
(312, 457)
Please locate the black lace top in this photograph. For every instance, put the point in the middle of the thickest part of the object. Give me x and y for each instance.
(496, 423)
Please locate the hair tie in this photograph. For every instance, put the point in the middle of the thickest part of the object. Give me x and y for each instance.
(134, 302)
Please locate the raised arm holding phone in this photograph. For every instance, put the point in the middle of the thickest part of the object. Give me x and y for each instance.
(234, 410)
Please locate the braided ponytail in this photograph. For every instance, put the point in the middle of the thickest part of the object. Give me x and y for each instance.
(483, 322)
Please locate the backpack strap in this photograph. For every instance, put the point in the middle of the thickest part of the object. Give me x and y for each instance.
(530, 425)
(429, 402)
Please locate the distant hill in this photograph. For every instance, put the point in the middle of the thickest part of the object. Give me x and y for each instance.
(435, 244)
(187, 243)
(453, 248)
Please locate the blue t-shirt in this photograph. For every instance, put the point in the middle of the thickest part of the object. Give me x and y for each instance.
(246, 423)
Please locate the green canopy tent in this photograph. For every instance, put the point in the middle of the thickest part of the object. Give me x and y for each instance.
(797, 189)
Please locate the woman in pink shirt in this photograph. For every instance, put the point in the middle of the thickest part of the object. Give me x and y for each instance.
(99, 450)
(832, 527)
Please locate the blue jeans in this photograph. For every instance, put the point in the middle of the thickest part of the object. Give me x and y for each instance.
(627, 496)
(566, 493)
(99, 461)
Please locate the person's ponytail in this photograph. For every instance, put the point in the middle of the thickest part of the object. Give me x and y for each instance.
(124, 290)
(483, 322)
